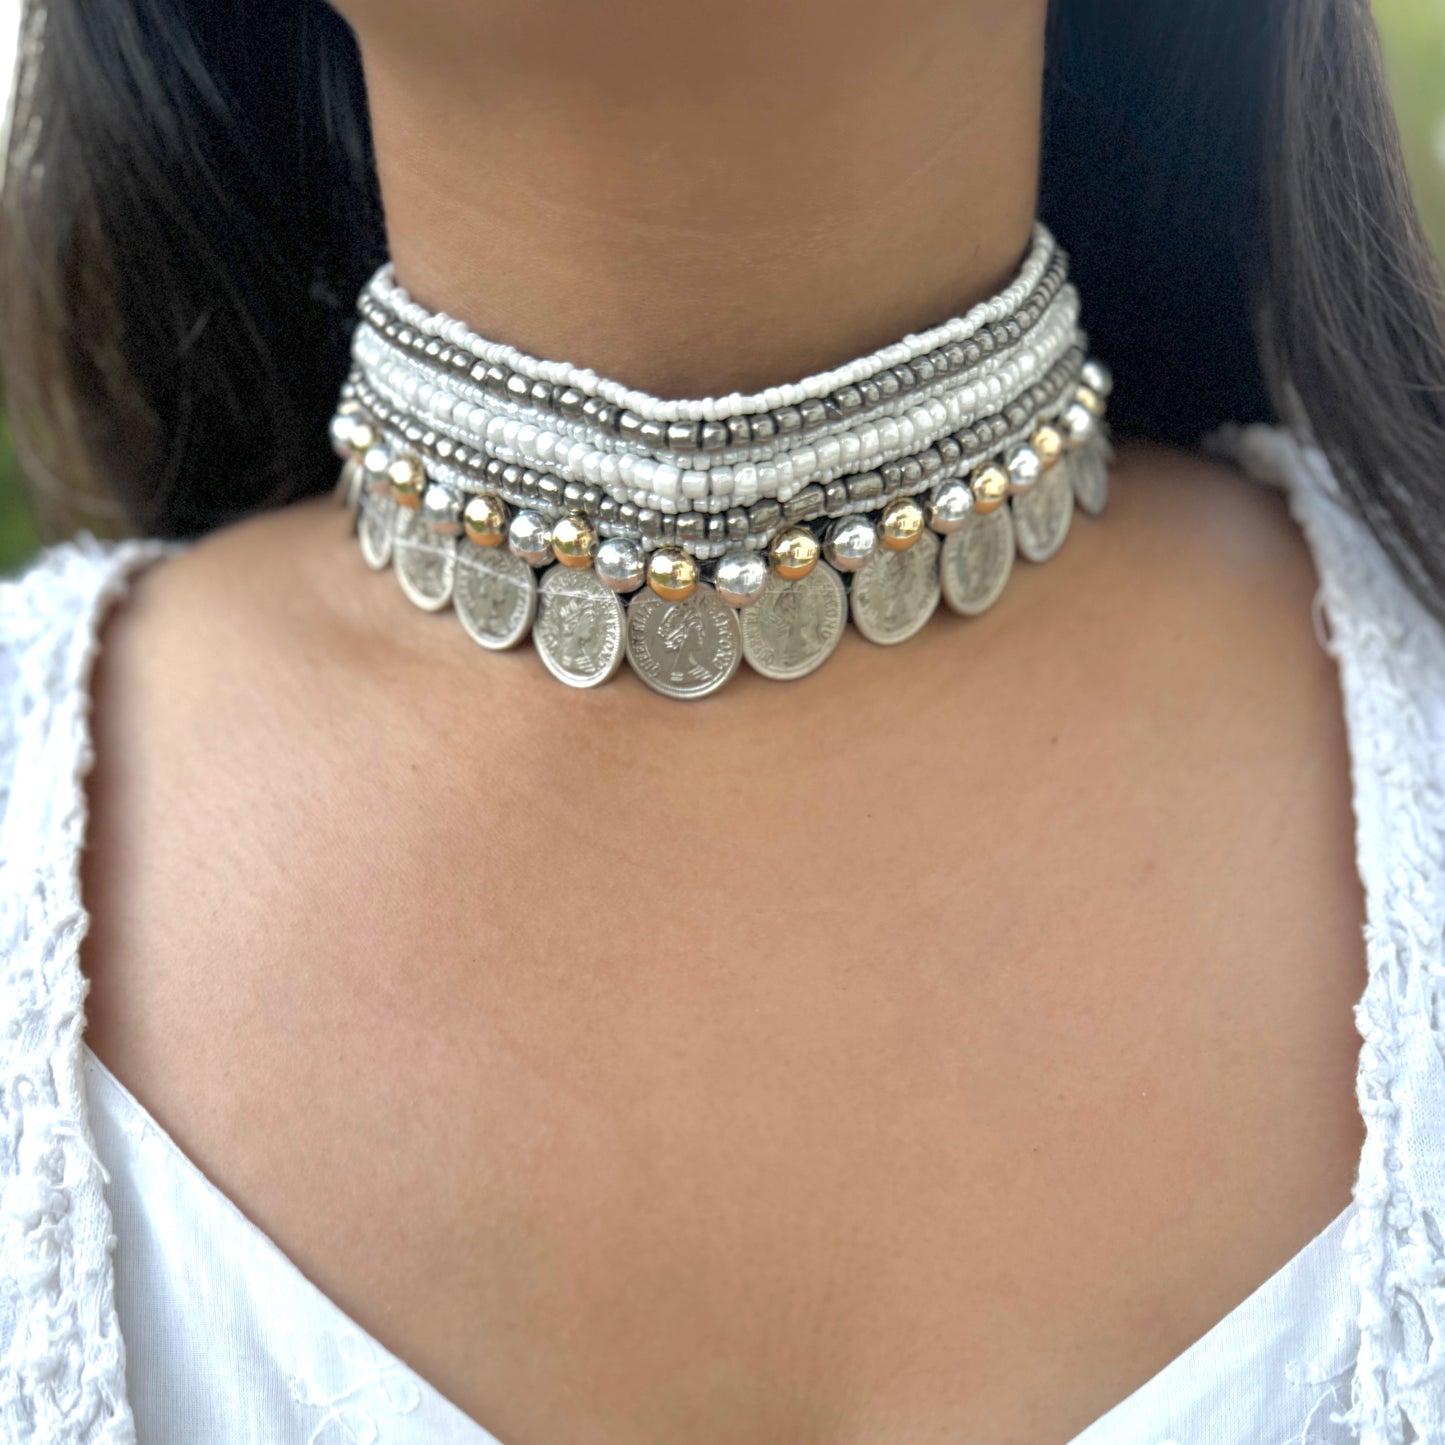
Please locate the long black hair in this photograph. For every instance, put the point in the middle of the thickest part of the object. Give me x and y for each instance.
(191, 206)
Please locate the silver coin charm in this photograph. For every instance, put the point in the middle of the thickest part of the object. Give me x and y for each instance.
(426, 564)
(495, 595)
(1089, 473)
(348, 486)
(580, 627)
(374, 527)
(1043, 513)
(976, 561)
(895, 593)
(794, 626)
(683, 649)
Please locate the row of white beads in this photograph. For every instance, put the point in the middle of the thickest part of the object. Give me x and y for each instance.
(718, 408)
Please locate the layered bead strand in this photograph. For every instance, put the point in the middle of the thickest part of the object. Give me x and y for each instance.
(686, 535)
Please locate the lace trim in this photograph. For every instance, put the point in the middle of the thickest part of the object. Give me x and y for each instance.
(62, 1360)
(1385, 644)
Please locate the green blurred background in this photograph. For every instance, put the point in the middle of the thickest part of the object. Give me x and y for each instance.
(1414, 40)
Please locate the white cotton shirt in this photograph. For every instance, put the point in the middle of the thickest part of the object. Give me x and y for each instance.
(137, 1302)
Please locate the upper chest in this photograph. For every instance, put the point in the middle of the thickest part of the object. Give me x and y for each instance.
(635, 1082)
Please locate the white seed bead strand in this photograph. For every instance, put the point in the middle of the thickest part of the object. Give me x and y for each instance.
(390, 293)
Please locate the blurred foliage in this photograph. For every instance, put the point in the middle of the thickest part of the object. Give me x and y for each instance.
(1413, 32)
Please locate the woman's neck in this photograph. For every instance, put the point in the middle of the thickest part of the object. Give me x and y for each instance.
(699, 198)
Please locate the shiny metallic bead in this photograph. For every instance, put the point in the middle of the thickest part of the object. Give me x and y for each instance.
(990, 487)
(1024, 469)
(1079, 424)
(621, 564)
(1090, 399)
(1048, 442)
(574, 540)
(901, 524)
(408, 480)
(484, 520)
(950, 506)
(849, 543)
(672, 574)
(530, 538)
(793, 553)
(1097, 377)
(340, 430)
(376, 468)
(441, 510)
(741, 578)
(364, 436)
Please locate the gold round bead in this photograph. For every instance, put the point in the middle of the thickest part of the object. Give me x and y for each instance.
(672, 574)
(484, 520)
(363, 437)
(408, 480)
(794, 553)
(1048, 443)
(990, 485)
(574, 540)
(901, 524)
(1090, 400)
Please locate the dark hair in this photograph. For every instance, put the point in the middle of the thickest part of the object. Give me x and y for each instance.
(191, 208)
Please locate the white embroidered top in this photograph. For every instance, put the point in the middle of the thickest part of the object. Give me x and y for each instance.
(137, 1302)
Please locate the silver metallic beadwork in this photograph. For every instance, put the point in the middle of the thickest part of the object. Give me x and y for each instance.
(1042, 515)
(376, 467)
(621, 563)
(580, 626)
(495, 595)
(375, 523)
(795, 626)
(849, 543)
(441, 510)
(684, 649)
(529, 535)
(895, 593)
(950, 506)
(425, 564)
(741, 578)
(1024, 469)
(723, 526)
(1079, 426)
(1097, 376)
(975, 562)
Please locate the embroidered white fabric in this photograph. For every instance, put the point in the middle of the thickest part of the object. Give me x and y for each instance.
(134, 1294)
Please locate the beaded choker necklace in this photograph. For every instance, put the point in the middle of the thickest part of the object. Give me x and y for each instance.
(537, 497)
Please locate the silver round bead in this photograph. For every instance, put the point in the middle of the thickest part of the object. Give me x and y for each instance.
(741, 578)
(530, 538)
(1078, 424)
(441, 510)
(950, 506)
(1024, 468)
(1097, 377)
(849, 543)
(340, 433)
(376, 468)
(621, 563)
